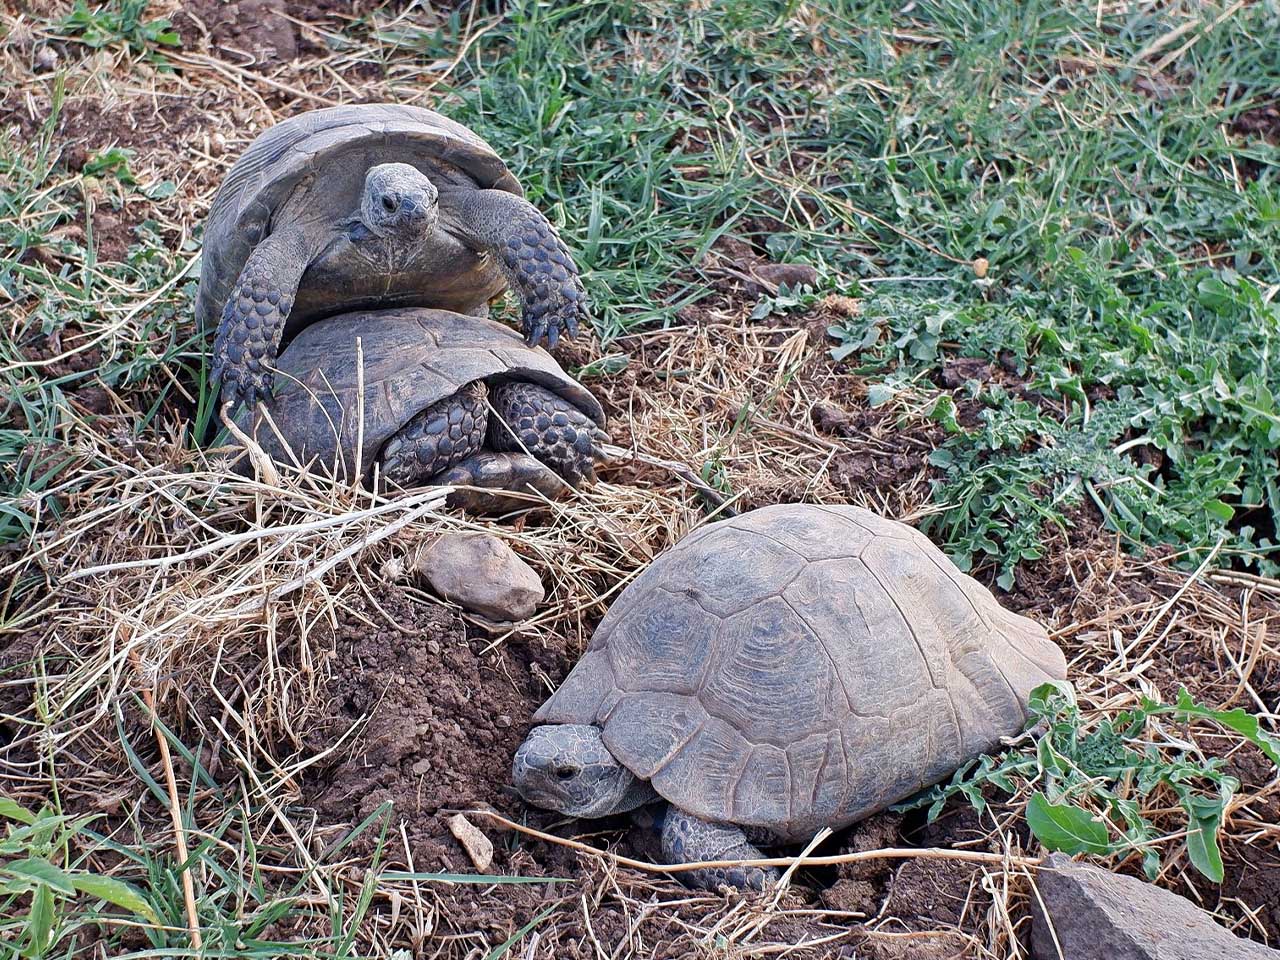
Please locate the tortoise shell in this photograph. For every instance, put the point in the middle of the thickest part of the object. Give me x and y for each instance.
(407, 359)
(803, 666)
(341, 143)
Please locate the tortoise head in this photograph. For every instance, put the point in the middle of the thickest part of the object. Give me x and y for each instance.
(567, 768)
(399, 202)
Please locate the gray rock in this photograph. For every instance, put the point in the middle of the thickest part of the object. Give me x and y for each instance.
(483, 574)
(1099, 915)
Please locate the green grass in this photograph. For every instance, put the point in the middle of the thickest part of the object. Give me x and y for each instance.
(120, 324)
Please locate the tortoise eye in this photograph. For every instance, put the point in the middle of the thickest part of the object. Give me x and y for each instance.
(388, 204)
(566, 773)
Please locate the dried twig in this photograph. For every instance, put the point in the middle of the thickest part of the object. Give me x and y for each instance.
(888, 853)
(175, 806)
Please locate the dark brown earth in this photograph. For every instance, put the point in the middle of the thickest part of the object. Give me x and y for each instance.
(443, 720)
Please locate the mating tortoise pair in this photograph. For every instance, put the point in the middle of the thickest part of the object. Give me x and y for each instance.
(367, 241)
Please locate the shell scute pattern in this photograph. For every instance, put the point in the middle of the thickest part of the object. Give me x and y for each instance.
(765, 679)
(954, 640)
(725, 582)
(829, 597)
(841, 663)
(763, 791)
(819, 778)
(649, 728)
(703, 775)
(662, 646)
(811, 535)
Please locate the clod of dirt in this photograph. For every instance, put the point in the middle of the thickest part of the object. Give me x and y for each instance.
(483, 574)
(259, 29)
(960, 370)
(933, 889)
(786, 274)
(874, 833)
(1098, 915)
(851, 896)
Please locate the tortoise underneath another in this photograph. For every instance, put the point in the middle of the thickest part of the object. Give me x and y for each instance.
(794, 668)
(370, 205)
(430, 378)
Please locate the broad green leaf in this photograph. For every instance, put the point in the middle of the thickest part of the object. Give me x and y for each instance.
(41, 920)
(12, 810)
(1066, 828)
(123, 895)
(1050, 697)
(38, 871)
(1239, 720)
(944, 412)
(1204, 819)
(878, 394)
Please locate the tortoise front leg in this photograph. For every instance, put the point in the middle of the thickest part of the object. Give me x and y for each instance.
(532, 257)
(549, 427)
(438, 437)
(686, 839)
(254, 315)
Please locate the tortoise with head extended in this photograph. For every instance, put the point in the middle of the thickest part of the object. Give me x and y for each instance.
(446, 398)
(792, 668)
(370, 205)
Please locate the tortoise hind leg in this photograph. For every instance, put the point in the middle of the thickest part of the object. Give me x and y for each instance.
(549, 427)
(438, 437)
(686, 838)
(500, 482)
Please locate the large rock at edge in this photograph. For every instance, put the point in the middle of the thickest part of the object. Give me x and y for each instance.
(1099, 915)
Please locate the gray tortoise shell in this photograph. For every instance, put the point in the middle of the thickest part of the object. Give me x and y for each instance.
(307, 145)
(411, 358)
(803, 666)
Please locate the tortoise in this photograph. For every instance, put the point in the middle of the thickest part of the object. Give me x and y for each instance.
(793, 668)
(429, 378)
(371, 205)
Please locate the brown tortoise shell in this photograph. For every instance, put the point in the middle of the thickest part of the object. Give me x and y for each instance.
(803, 666)
(340, 144)
(411, 357)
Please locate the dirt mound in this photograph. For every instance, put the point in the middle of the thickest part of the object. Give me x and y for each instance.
(438, 719)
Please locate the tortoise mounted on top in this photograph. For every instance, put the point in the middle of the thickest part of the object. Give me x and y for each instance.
(378, 205)
(789, 669)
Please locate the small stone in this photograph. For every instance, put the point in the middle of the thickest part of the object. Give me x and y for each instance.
(980, 267)
(46, 59)
(786, 274)
(483, 574)
(479, 847)
(1099, 915)
(502, 720)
